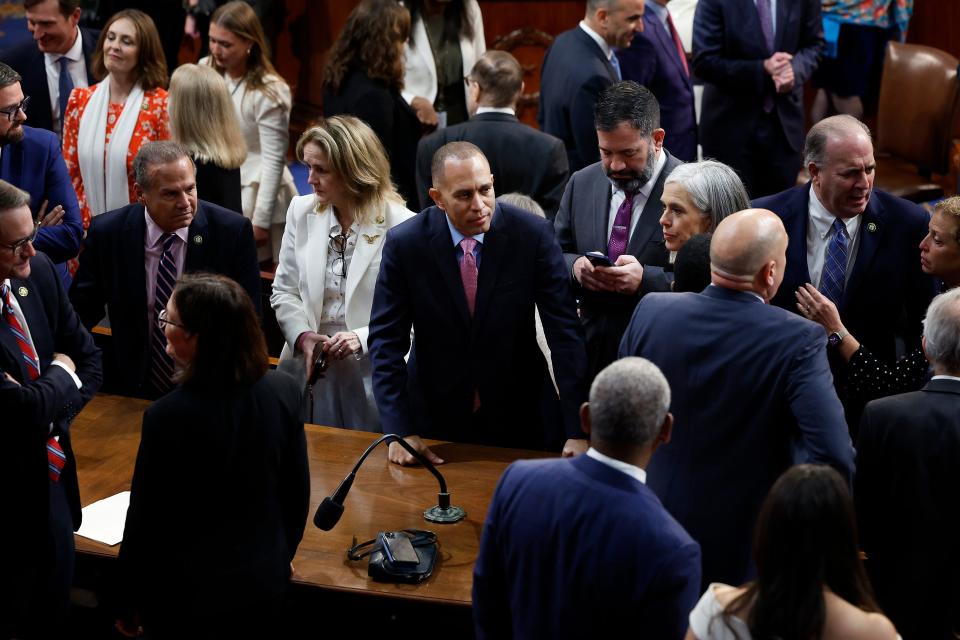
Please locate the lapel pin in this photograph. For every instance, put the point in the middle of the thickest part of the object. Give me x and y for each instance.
(22, 292)
(370, 239)
(198, 239)
(380, 219)
(871, 226)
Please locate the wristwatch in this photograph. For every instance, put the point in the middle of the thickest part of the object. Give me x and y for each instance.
(835, 338)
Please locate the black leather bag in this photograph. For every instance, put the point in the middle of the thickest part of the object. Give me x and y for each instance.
(381, 569)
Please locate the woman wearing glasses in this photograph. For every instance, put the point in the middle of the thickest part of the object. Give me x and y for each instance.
(329, 260)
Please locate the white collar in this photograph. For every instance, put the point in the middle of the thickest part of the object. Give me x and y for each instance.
(506, 110)
(73, 54)
(625, 467)
(822, 219)
(945, 377)
(607, 51)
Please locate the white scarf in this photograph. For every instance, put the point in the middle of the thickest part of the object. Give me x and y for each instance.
(103, 167)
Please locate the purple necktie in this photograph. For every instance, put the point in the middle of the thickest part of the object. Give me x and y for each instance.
(766, 26)
(621, 228)
(469, 272)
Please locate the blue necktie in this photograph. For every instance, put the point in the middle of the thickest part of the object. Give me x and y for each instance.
(835, 265)
(66, 86)
(161, 370)
(616, 66)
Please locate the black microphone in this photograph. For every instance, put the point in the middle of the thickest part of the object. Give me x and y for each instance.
(329, 512)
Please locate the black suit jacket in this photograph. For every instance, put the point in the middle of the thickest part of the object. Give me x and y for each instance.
(907, 493)
(27, 60)
(29, 408)
(390, 117)
(228, 469)
(522, 159)
(574, 73)
(112, 274)
(494, 352)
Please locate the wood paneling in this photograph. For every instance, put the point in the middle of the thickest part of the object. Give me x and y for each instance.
(935, 23)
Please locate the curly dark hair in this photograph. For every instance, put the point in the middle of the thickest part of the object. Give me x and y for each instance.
(371, 41)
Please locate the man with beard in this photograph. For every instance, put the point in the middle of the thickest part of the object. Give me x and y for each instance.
(613, 207)
(30, 159)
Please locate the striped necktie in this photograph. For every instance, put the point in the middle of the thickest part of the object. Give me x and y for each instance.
(835, 264)
(161, 365)
(56, 459)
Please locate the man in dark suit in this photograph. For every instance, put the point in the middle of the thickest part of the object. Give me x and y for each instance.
(577, 67)
(465, 275)
(754, 57)
(881, 291)
(907, 490)
(57, 60)
(752, 388)
(132, 255)
(581, 547)
(656, 60)
(30, 159)
(496, 82)
(49, 369)
(614, 207)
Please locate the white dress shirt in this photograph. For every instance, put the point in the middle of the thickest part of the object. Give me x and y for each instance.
(639, 201)
(596, 37)
(78, 72)
(820, 234)
(506, 110)
(619, 465)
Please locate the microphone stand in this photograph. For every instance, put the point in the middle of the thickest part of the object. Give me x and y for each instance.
(330, 510)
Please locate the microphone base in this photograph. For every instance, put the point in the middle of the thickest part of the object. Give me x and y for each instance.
(446, 515)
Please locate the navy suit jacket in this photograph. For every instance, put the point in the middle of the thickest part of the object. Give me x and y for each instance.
(494, 352)
(501, 137)
(729, 51)
(36, 165)
(907, 493)
(574, 548)
(29, 408)
(112, 274)
(574, 73)
(652, 60)
(27, 60)
(752, 394)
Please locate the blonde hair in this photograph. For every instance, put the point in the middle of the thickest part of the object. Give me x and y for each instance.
(358, 158)
(951, 207)
(241, 20)
(202, 117)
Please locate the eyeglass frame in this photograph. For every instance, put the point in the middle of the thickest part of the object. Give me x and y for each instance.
(12, 111)
(341, 239)
(18, 246)
(162, 321)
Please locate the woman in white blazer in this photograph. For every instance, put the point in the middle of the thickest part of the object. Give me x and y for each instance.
(436, 26)
(329, 261)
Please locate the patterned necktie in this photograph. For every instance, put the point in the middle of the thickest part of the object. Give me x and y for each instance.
(468, 272)
(616, 66)
(161, 369)
(766, 26)
(66, 86)
(678, 43)
(55, 456)
(835, 265)
(621, 228)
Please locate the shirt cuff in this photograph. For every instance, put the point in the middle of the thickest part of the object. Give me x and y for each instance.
(76, 380)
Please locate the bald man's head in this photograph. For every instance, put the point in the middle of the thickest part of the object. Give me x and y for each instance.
(748, 252)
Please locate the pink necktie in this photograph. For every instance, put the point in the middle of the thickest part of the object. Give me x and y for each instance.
(678, 43)
(468, 272)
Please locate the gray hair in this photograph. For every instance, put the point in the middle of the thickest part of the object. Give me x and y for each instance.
(12, 197)
(815, 146)
(629, 400)
(942, 331)
(714, 188)
(522, 201)
(154, 153)
(8, 76)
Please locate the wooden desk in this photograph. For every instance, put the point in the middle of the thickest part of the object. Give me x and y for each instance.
(106, 435)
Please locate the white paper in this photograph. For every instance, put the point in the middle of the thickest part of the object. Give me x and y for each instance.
(103, 520)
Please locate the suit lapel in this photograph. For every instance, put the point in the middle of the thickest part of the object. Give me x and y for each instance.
(135, 279)
(495, 242)
(599, 212)
(595, 48)
(9, 344)
(315, 250)
(795, 219)
(649, 220)
(28, 298)
(197, 241)
(871, 233)
(370, 239)
(663, 36)
(443, 252)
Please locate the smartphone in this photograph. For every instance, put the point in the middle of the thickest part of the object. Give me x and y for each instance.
(398, 548)
(598, 259)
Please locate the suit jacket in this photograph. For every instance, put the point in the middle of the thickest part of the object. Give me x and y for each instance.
(299, 285)
(573, 74)
(907, 495)
(729, 51)
(27, 60)
(112, 274)
(29, 409)
(390, 117)
(653, 61)
(219, 186)
(36, 165)
(576, 549)
(887, 293)
(581, 226)
(248, 529)
(494, 353)
(500, 136)
(752, 394)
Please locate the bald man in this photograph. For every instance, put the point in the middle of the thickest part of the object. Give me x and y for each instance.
(752, 392)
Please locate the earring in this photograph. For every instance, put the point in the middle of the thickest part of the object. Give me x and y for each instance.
(248, 52)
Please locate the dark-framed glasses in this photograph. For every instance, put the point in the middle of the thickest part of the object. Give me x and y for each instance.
(11, 112)
(163, 321)
(338, 242)
(18, 246)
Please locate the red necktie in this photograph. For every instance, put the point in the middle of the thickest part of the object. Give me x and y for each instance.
(55, 456)
(676, 41)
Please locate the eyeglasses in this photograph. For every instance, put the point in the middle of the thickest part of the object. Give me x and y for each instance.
(18, 246)
(11, 112)
(339, 243)
(162, 321)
